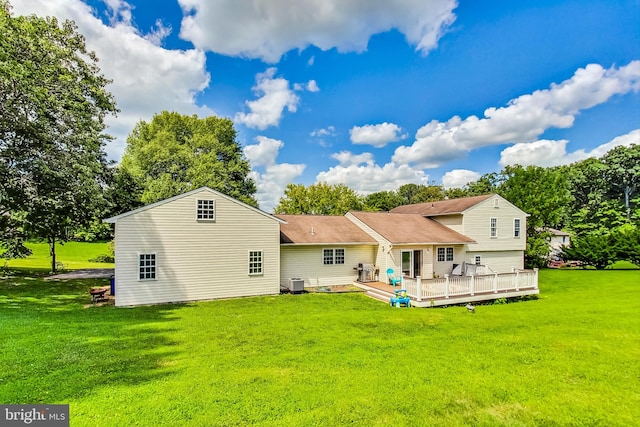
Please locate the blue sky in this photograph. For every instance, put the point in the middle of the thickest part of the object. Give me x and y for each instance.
(375, 94)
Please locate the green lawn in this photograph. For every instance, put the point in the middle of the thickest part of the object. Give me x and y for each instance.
(570, 357)
(72, 255)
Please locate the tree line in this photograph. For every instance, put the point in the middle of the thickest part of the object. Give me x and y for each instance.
(57, 184)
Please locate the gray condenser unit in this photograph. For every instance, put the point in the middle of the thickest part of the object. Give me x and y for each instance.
(296, 285)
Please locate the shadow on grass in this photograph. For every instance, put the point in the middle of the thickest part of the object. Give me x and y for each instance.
(52, 349)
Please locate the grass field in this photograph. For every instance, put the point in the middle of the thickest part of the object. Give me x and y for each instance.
(570, 357)
(72, 255)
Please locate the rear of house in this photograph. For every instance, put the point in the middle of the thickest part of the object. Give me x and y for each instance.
(196, 246)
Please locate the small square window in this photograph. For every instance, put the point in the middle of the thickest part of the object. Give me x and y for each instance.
(206, 210)
(339, 256)
(147, 267)
(327, 256)
(444, 254)
(255, 262)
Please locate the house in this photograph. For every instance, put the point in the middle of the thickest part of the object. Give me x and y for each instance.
(497, 227)
(196, 246)
(205, 245)
(557, 240)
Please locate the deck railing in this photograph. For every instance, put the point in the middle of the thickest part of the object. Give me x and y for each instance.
(454, 286)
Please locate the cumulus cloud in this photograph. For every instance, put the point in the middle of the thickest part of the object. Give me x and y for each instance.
(328, 131)
(146, 78)
(270, 177)
(312, 86)
(376, 135)
(459, 178)
(548, 153)
(359, 172)
(523, 119)
(275, 95)
(269, 28)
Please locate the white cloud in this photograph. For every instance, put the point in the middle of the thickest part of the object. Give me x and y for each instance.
(312, 86)
(328, 131)
(523, 119)
(459, 178)
(275, 97)
(273, 179)
(376, 135)
(359, 172)
(146, 78)
(267, 29)
(548, 153)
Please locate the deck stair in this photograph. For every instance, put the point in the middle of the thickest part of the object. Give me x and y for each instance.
(375, 293)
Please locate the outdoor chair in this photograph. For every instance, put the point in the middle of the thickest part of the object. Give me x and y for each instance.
(393, 278)
(400, 299)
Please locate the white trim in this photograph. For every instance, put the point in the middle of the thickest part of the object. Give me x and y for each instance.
(205, 209)
(114, 219)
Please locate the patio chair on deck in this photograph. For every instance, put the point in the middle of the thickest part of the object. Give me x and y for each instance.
(394, 279)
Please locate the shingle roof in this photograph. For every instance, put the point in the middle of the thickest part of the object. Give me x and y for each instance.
(442, 207)
(319, 229)
(410, 228)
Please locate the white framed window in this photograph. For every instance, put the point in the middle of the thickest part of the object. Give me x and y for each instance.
(147, 266)
(255, 263)
(444, 254)
(333, 256)
(205, 210)
(516, 227)
(494, 227)
(478, 260)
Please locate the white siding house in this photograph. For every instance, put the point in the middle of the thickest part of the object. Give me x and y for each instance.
(196, 246)
(497, 227)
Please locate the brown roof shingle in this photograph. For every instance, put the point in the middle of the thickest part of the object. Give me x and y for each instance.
(320, 229)
(410, 228)
(442, 207)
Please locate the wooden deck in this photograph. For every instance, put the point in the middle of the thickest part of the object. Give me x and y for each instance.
(458, 290)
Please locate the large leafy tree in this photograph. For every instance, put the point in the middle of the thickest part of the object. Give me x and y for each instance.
(623, 174)
(318, 199)
(53, 101)
(174, 153)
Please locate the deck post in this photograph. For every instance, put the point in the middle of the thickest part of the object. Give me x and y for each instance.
(495, 283)
(472, 285)
(517, 280)
(418, 288)
(446, 286)
(535, 277)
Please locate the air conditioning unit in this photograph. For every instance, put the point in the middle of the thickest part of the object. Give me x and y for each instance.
(296, 285)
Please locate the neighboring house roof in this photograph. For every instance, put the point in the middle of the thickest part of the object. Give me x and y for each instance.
(442, 207)
(319, 229)
(554, 231)
(114, 219)
(400, 228)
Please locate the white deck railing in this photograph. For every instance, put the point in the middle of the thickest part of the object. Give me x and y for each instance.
(454, 286)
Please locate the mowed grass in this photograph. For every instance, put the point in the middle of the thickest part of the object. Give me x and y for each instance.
(72, 255)
(570, 357)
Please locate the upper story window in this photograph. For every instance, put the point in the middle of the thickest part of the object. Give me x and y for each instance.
(478, 260)
(494, 227)
(516, 227)
(332, 256)
(444, 254)
(146, 266)
(255, 262)
(206, 210)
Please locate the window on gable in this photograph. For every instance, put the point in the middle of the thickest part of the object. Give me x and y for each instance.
(206, 210)
(444, 254)
(255, 262)
(333, 256)
(494, 227)
(146, 266)
(516, 227)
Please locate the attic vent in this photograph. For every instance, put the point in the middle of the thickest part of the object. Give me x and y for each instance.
(495, 203)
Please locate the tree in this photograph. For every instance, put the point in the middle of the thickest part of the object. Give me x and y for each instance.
(595, 249)
(175, 153)
(318, 199)
(53, 103)
(382, 201)
(623, 173)
(414, 193)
